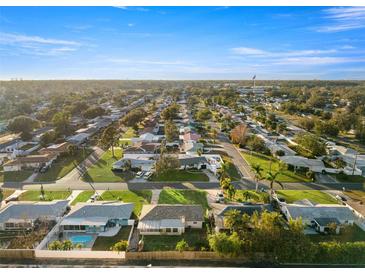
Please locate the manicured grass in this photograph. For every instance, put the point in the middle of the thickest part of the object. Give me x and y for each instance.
(139, 198)
(101, 170)
(62, 166)
(181, 175)
(188, 197)
(315, 196)
(286, 176)
(196, 239)
(34, 195)
(343, 178)
(232, 170)
(105, 243)
(83, 197)
(6, 193)
(251, 196)
(15, 176)
(125, 138)
(347, 234)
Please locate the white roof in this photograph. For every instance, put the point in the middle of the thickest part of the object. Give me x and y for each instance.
(302, 161)
(157, 224)
(319, 211)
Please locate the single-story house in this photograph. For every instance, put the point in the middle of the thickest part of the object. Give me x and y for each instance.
(191, 136)
(190, 162)
(298, 162)
(23, 215)
(169, 219)
(323, 225)
(143, 148)
(55, 149)
(97, 217)
(10, 142)
(30, 161)
(249, 209)
(38, 133)
(147, 138)
(78, 139)
(309, 212)
(144, 162)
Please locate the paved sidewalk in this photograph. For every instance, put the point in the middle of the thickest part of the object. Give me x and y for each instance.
(73, 196)
(155, 196)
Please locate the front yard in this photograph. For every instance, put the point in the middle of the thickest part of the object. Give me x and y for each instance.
(83, 197)
(62, 166)
(101, 170)
(356, 195)
(315, 196)
(14, 176)
(139, 198)
(286, 176)
(35, 195)
(343, 178)
(105, 243)
(196, 239)
(251, 196)
(188, 197)
(181, 175)
(5, 193)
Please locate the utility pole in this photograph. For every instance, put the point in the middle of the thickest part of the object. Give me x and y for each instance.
(353, 168)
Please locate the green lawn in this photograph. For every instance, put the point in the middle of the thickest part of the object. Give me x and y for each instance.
(5, 193)
(101, 170)
(251, 196)
(232, 170)
(105, 243)
(286, 176)
(34, 195)
(139, 198)
(315, 196)
(188, 197)
(181, 175)
(343, 178)
(347, 234)
(196, 239)
(62, 166)
(15, 176)
(83, 197)
(125, 138)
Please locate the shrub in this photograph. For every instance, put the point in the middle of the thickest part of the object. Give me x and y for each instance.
(182, 245)
(120, 246)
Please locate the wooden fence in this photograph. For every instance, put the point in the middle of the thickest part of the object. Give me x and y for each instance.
(17, 253)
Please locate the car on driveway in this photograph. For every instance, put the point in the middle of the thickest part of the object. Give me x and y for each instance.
(140, 174)
(147, 175)
(219, 197)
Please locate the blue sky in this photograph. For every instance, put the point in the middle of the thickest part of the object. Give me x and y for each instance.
(182, 42)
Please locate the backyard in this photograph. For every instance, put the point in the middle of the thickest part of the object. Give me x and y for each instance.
(347, 234)
(83, 197)
(180, 175)
(62, 166)
(126, 136)
(139, 198)
(101, 170)
(14, 176)
(35, 195)
(188, 197)
(315, 196)
(196, 239)
(264, 161)
(105, 243)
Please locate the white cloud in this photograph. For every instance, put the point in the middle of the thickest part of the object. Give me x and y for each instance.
(145, 62)
(262, 53)
(130, 25)
(317, 60)
(36, 45)
(249, 51)
(343, 19)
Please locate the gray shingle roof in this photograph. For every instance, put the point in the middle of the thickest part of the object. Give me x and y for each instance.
(159, 212)
(33, 211)
(110, 211)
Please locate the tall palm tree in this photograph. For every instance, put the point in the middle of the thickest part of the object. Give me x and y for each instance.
(271, 176)
(257, 170)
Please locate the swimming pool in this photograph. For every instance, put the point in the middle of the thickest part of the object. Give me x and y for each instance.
(81, 239)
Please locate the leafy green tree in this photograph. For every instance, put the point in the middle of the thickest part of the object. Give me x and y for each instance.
(171, 112)
(204, 115)
(230, 246)
(171, 131)
(120, 246)
(311, 143)
(61, 121)
(182, 245)
(24, 125)
(166, 163)
(67, 245)
(134, 117)
(93, 112)
(48, 137)
(55, 245)
(109, 138)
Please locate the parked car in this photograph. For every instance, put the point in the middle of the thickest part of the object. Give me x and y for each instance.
(219, 198)
(140, 174)
(94, 197)
(147, 175)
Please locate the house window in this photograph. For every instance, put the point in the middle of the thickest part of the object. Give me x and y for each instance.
(168, 229)
(175, 230)
(195, 223)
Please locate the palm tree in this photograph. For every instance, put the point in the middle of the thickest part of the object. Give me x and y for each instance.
(271, 176)
(257, 169)
(224, 170)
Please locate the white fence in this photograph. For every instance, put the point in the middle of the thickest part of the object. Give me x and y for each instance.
(79, 254)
